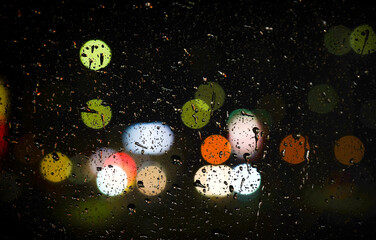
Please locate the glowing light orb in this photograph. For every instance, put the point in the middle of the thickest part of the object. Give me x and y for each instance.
(212, 94)
(368, 114)
(25, 150)
(4, 129)
(213, 180)
(151, 180)
(322, 98)
(363, 40)
(125, 162)
(195, 113)
(96, 115)
(294, 149)
(245, 179)
(4, 99)
(96, 160)
(274, 104)
(55, 167)
(215, 149)
(80, 173)
(95, 54)
(337, 40)
(349, 150)
(246, 134)
(148, 138)
(112, 180)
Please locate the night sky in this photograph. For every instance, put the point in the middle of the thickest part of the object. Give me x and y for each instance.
(161, 54)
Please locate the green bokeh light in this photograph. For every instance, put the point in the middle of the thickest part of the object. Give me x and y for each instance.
(195, 113)
(97, 115)
(212, 93)
(363, 40)
(337, 40)
(95, 54)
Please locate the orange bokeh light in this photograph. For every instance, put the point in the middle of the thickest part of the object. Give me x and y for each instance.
(294, 149)
(349, 150)
(215, 149)
(125, 162)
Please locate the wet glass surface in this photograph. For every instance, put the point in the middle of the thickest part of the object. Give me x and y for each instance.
(144, 119)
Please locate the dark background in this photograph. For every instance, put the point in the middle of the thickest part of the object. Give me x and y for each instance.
(40, 42)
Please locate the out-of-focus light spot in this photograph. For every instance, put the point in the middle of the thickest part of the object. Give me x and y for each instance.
(4, 129)
(274, 104)
(26, 150)
(95, 54)
(212, 94)
(55, 167)
(97, 159)
(349, 150)
(215, 149)
(148, 138)
(195, 113)
(246, 134)
(96, 115)
(112, 180)
(213, 180)
(4, 99)
(368, 114)
(245, 179)
(10, 188)
(80, 170)
(322, 98)
(363, 40)
(151, 180)
(294, 149)
(125, 162)
(337, 40)
(264, 117)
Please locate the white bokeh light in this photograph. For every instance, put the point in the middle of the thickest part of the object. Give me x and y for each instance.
(148, 138)
(245, 179)
(213, 180)
(112, 180)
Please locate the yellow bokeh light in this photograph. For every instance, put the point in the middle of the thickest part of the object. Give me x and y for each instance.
(55, 167)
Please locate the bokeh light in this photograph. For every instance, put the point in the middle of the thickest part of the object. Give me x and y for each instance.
(363, 40)
(215, 149)
(294, 149)
(212, 94)
(80, 173)
(95, 54)
(151, 180)
(245, 179)
(55, 167)
(96, 115)
(97, 159)
(4, 99)
(213, 180)
(112, 180)
(246, 134)
(349, 150)
(322, 98)
(148, 138)
(195, 113)
(125, 162)
(337, 40)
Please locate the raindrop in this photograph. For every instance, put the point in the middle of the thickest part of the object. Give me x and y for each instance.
(140, 184)
(131, 208)
(199, 184)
